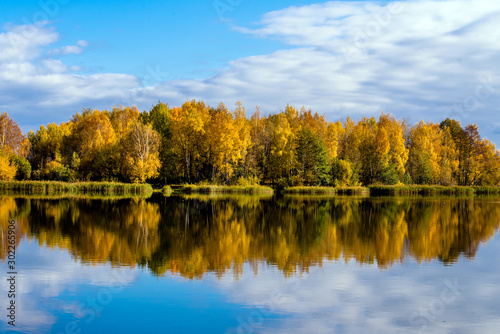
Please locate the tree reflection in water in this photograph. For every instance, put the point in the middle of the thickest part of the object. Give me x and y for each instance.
(193, 235)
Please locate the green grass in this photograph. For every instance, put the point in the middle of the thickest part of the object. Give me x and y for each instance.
(76, 188)
(432, 190)
(324, 190)
(213, 189)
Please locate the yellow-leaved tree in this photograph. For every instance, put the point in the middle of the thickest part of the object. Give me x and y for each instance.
(281, 155)
(99, 146)
(189, 137)
(244, 141)
(398, 153)
(425, 153)
(141, 152)
(332, 134)
(223, 141)
(123, 120)
(7, 169)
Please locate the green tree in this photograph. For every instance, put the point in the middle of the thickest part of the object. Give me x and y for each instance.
(159, 118)
(312, 158)
(23, 167)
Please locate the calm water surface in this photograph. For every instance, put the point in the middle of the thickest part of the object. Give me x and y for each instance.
(246, 264)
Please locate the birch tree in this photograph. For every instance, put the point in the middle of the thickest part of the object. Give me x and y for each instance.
(142, 153)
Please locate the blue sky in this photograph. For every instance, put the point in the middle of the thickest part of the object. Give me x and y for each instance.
(415, 59)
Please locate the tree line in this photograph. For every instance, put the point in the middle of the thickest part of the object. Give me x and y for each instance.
(197, 143)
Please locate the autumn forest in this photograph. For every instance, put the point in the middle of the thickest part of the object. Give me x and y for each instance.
(196, 143)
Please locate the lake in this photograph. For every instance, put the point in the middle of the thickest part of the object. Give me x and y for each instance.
(252, 264)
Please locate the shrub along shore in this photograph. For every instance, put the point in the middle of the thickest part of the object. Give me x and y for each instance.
(325, 190)
(76, 188)
(214, 189)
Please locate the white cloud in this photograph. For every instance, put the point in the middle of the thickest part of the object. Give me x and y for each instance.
(54, 66)
(23, 43)
(70, 49)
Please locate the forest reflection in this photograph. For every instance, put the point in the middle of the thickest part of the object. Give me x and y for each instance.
(194, 235)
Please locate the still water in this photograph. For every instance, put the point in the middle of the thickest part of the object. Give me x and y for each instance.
(250, 264)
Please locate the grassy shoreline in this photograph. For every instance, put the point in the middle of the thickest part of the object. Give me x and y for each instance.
(325, 190)
(212, 189)
(432, 190)
(96, 189)
(76, 188)
(62, 196)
